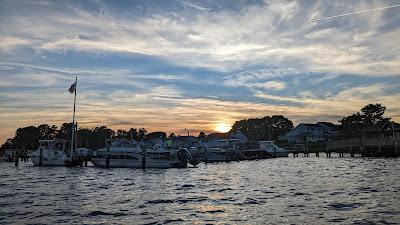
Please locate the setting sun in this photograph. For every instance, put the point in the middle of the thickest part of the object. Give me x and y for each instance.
(222, 127)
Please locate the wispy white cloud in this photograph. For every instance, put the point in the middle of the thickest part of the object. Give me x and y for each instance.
(343, 103)
(195, 6)
(9, 43)
(221, 40)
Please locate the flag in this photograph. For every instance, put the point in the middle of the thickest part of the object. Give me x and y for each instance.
(72, 89)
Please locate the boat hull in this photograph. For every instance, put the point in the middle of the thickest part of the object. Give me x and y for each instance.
(209, 158)
(279, 154)
(216, 156)
(47, 162)
(138, 163)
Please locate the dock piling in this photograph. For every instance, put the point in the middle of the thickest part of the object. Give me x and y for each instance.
(40, 156)
(143, 159)
(16, 159)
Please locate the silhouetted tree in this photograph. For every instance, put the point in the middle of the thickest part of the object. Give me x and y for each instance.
(9, 144)
(101, 134)
(47, 132)
(157, 134)
(27, 137)
(350, 126)
(122, 134)
(85, 138)
(172, 135)
(141, 134)
(133, 134)
(264, 128)
(373, 114)
(202, 136)
(65, 131)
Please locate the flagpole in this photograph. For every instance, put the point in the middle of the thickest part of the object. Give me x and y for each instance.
(73, 119)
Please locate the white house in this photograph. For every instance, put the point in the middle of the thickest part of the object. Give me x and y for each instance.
(321, 131)
(240, 136)
(225, 139)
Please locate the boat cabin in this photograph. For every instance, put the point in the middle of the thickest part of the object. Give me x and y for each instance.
(56, 144)
(121, 142)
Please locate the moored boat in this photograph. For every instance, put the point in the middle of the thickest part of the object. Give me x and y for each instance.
(273, 149)
(121, 153)
(215, 154)
(50, 153)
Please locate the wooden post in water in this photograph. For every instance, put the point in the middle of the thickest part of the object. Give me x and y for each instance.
(380, 143)
(396, 145)
(40, 156)
(206, 154)
(395, 140)
(108, 156)
(362, 144)
(16, 158)
(143, 158)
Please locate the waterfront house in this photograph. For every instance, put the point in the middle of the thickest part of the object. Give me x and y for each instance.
(384, 135)
(155, 141)
(321, 131)
(382, 139)
(225, 139)
(242, 139)
(183, 141)
(217, 140)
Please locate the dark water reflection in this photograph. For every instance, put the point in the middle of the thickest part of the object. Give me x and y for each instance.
(277, 191)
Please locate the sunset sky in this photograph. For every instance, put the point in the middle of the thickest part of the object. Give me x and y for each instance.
(201, 65)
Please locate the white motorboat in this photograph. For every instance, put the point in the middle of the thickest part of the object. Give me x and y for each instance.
(50, 153)
(215, 154)
(121, 153)
(272, 149)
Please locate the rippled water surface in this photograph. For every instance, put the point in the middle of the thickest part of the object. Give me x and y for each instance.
(274, 191)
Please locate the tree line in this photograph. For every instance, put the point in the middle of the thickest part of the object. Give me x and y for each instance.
(28, 137)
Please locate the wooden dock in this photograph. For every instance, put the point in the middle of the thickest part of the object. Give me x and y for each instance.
(370, 147)
(366, 147)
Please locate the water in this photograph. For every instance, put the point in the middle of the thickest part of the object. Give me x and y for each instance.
(274, 191)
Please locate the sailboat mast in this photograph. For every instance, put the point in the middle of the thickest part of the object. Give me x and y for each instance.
(73, 119)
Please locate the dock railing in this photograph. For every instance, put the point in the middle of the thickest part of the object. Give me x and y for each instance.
(340, 144)
(358, 142)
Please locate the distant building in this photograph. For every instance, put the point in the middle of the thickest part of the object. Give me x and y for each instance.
(211, 140)
(225, 139)
(382, 130)
(242, 139)
(155, 141)
(321, 131)
(183, 141)
(217, 140)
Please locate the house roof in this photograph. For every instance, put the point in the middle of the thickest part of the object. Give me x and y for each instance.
(214, 136)
(328, 124)
(237, 134)
(309, 124)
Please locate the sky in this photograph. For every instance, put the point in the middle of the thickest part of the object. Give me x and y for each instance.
(200, 65)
